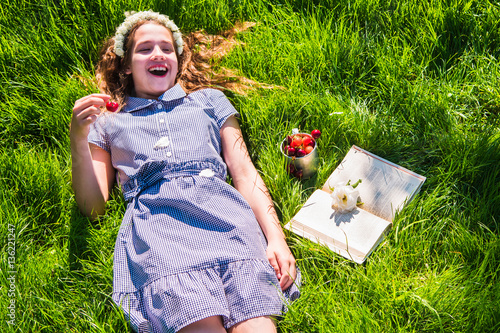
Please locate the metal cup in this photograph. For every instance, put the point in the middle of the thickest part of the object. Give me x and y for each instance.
(306, 165)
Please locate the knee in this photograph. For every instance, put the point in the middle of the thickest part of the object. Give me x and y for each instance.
(263, 324)
(210, 325)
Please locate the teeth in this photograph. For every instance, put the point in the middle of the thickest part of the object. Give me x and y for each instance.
(158, 68)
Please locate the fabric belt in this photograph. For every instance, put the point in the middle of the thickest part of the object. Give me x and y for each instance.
(151, 173)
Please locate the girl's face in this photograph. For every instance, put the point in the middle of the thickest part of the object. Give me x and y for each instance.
(153, 62)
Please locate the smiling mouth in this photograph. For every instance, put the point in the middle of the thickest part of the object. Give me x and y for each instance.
(158, 71)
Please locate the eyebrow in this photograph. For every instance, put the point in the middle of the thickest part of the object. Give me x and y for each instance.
(150, 41)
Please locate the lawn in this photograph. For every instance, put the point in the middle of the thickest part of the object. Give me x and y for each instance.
(415, 82)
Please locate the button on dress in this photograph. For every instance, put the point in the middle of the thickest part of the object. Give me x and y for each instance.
(189, 246)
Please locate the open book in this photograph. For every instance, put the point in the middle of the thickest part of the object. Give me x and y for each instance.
(384, 189)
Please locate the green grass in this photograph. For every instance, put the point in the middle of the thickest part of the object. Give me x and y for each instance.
(416, 82)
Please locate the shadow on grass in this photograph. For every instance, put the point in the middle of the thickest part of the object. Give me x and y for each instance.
(99, 293)
(78, 244)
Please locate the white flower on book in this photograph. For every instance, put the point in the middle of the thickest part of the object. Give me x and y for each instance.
(345, 197)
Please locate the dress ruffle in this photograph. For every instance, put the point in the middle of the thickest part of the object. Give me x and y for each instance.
(248, 287)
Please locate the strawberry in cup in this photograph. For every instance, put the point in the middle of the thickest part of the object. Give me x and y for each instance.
(300, 150)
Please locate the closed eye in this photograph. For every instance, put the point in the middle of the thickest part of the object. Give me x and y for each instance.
(144, 50)
(146, 47)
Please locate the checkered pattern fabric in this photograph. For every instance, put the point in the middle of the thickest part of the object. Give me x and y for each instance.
(189, 246)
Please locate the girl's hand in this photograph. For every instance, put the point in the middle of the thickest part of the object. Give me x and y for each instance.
(283, 262)
(85, 112)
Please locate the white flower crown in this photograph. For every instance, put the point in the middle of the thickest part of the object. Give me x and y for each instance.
(134, 17)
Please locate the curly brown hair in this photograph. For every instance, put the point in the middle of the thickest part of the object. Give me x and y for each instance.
(201, 53)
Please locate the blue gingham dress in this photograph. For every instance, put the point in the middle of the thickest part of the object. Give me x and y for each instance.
(189, 246)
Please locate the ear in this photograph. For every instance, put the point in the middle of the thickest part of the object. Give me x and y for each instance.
(128, 70)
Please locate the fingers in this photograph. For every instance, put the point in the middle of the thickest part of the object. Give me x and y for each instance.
(284, 265)
(274, 264)
(85, 112)
(93, 100)
(288, 270)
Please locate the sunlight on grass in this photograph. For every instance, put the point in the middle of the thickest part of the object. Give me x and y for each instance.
(415, 82)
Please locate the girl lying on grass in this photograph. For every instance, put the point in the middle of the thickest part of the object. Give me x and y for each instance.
(193, 253)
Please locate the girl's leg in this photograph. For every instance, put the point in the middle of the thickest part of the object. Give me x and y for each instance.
(210, 325)
(259, 324)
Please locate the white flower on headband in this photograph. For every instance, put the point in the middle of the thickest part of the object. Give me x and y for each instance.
(133, 18)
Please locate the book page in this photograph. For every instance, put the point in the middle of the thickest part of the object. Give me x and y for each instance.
(385, 186)
(353, 235)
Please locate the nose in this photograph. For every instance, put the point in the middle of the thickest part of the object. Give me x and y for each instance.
(157, 53)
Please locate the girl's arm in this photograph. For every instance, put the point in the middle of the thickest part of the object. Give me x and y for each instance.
(92, 171)
(248, 182)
